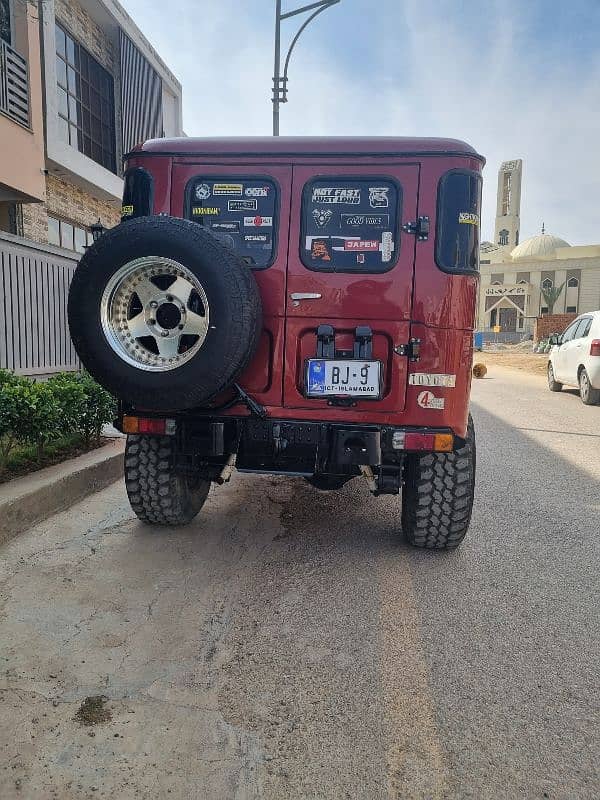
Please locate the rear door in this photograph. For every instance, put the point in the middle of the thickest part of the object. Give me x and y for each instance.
(565, 356)
(577, 349)
(247, 207)
(350, 266)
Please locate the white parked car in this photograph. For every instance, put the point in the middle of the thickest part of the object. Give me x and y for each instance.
(575, 358)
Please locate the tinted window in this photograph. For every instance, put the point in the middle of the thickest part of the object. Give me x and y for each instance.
(240, 212)
(137, 193)
(350, 224)
(583, 328)
(458, 209)
(86, 103)
(570, 332)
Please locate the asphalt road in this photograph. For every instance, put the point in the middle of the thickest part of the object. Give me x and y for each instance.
(288, 645)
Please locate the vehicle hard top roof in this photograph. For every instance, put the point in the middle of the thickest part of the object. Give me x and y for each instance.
(280, 146)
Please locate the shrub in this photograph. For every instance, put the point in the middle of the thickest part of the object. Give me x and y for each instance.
(99, 408)
(39, 413)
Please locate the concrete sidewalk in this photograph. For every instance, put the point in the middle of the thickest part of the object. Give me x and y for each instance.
(33, 498)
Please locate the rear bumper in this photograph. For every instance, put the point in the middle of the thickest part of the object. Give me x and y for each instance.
(286, 446)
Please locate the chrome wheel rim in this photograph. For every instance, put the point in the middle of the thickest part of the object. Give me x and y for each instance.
(154, 314)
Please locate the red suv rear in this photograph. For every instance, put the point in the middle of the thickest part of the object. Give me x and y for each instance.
(299, 306)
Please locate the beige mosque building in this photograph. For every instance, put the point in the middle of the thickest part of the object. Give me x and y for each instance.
(513, 273)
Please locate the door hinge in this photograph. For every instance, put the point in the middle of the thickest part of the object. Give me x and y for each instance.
(412, 350)
(420, 228)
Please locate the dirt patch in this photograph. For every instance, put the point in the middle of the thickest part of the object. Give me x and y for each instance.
(93, 710)
(535, 363)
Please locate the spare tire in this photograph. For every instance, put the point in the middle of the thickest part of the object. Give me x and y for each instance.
(162, 315)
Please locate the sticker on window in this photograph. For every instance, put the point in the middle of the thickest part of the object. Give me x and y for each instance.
(202, 191)
(361, 239)
(378, 196)
(226, 227)
(322, 217)
(227, 189)
(258, 222)
(361, 245)
(329, 194)
(242, 205)
(239, 211)
(377, 221)
(468, 219)
(256, 191)
(201, 211)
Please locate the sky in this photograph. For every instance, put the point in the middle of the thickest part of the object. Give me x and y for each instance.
(515, 79)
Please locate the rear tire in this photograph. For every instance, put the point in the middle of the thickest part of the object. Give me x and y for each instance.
(437, 498)
(158, 494)
(124, 301)
(589, 395)
(553, 384)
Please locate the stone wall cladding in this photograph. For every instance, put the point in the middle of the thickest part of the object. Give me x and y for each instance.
(551, 323)
(35, 222)
(69, 202)
(78, 22)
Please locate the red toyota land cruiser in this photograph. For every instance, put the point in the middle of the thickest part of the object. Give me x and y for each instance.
(292, 306)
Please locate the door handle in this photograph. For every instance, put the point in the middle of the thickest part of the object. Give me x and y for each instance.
(297, 296)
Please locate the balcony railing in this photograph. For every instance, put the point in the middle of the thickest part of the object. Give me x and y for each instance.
(14, 85)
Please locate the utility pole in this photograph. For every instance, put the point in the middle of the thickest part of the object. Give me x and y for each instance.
(279, 80)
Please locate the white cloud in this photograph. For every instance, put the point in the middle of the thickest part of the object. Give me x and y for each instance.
(434, 81)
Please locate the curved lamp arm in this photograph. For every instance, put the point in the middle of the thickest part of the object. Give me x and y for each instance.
(301, 30)
(280, 82)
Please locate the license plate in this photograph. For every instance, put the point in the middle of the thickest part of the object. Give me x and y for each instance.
(332, 378)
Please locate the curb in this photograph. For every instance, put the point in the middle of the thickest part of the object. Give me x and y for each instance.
(26, 501)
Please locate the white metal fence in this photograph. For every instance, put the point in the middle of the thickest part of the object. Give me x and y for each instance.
(34, 287)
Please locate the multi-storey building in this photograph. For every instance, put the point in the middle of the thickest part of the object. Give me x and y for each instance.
(103, 88)
(79, 86)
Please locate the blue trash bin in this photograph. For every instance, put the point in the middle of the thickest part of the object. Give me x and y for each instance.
(478, 340)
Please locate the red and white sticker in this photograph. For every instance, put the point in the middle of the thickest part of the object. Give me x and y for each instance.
(361, 245)
(258, 222)
(429, 400)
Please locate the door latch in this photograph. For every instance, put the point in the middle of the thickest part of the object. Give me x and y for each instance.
(420, 228)
(412, 350)
(296, 297)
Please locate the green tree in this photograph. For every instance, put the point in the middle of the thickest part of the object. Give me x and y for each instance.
(551, 295)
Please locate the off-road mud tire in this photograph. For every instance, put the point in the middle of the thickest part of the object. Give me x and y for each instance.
(437, 498)
(553, 384)
(235, 313)
(157, 494)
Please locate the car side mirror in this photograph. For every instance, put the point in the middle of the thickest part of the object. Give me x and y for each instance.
(556, 339)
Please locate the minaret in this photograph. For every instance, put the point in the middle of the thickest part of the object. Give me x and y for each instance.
(509, 204)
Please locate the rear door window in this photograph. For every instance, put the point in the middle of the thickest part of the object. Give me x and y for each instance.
(570, 332)
(350, 224)
(458, 210)
(583, 328)
(240, 212)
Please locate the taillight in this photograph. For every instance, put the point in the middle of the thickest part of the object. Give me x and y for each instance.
(160, 427)
(414, 440)
(595, 347)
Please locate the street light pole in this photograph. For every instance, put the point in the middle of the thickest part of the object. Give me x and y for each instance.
(279, 81)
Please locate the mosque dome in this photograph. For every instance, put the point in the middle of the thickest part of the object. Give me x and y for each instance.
(538, 248)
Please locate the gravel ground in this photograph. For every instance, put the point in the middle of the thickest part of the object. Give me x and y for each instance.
(536, 363)
(288, 645)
